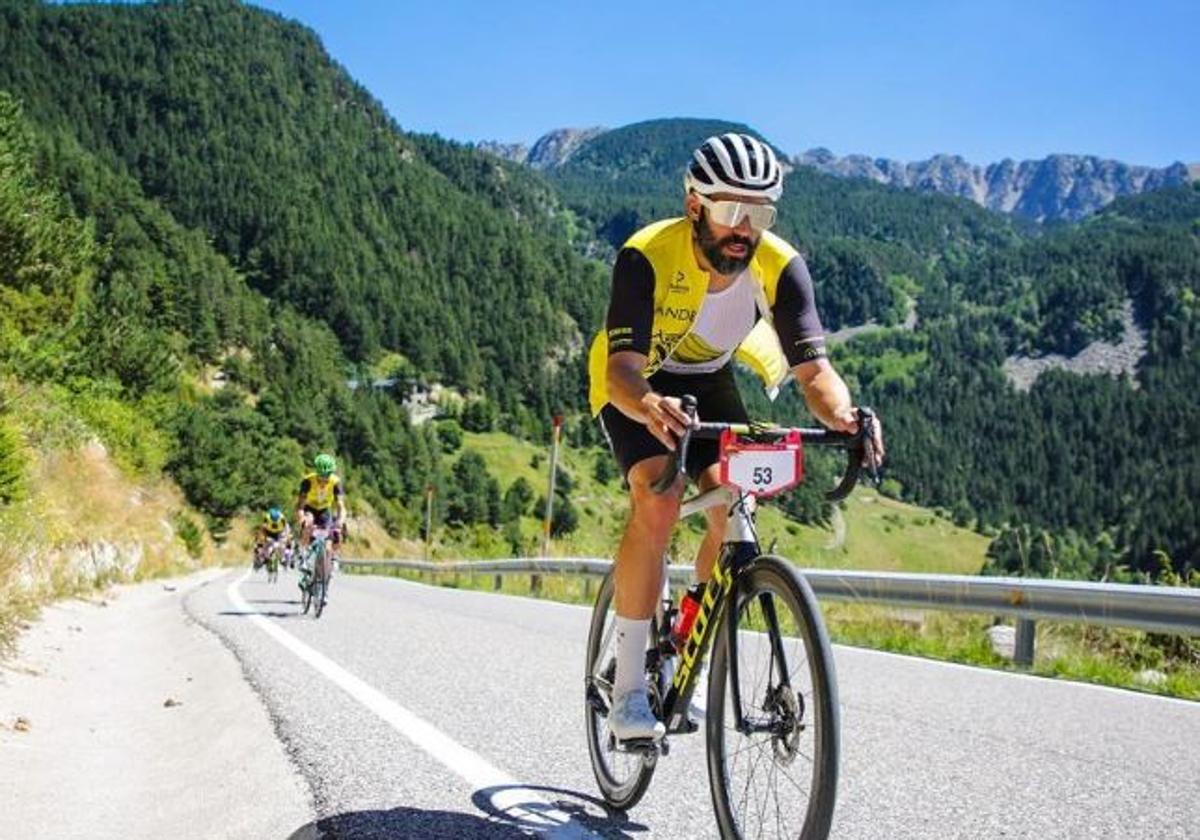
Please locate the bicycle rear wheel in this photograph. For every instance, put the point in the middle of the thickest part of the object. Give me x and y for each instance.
(622, 776)
(777, 775)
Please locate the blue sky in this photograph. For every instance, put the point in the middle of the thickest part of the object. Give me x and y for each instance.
(889, 79)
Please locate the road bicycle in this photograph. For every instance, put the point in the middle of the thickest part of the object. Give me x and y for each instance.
(274, 558)
(316, 571)
(771, 726)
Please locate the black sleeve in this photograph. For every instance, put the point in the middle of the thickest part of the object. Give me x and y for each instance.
(631, 305)
(795, 315)
(338, 491)
(303, 487)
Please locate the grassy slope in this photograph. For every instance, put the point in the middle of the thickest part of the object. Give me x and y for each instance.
(79, 497)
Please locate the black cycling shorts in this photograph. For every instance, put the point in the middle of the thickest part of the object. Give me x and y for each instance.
(321, 518)
(717, 400)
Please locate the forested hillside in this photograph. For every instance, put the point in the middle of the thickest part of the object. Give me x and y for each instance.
(193, 188)
(866, 243)
(240, 125)
(228, 200)
(1078, 477)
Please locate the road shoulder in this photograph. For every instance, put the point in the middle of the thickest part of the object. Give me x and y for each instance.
(122, 717)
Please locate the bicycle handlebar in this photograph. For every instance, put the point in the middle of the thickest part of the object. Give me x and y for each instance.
(856, 445)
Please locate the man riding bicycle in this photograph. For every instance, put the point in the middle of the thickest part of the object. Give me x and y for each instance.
(273, 528)
(688, 295)
(321, 492)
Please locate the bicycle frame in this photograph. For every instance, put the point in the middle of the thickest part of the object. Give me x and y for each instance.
(740, 546)
(321, 536)
(718, 604)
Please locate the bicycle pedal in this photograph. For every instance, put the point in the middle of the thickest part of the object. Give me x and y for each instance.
(638, 746)
(686, 726)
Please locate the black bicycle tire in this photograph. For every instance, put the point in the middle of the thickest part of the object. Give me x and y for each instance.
(823, 796)
(306, 589)
(319, 582)
(621, 797)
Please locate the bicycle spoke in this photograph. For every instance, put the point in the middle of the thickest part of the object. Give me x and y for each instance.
(773, 776)
(749, 778)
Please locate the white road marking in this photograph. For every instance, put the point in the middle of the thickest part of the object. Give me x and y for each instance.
(511, 798)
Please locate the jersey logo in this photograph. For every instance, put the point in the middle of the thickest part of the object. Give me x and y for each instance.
(681, 313)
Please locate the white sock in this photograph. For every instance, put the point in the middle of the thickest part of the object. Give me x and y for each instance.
(632, 635)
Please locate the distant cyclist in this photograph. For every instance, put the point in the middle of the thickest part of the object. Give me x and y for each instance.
(273, 528)
(688, 295)
(321, 502)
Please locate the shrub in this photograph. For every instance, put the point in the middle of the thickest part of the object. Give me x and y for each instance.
(12, 464)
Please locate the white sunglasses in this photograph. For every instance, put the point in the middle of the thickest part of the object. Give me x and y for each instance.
(731, 213)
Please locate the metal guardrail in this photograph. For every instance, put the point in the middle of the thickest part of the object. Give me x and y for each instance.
(1159, 609)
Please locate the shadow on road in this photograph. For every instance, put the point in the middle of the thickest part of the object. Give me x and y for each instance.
(585, 811)
(272, 601)
(496, 823)
(271, 614)
(405, 822)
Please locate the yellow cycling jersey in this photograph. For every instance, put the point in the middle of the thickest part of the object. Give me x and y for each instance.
(320, 495)
(679, 289)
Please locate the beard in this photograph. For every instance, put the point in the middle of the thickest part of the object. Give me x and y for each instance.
(711, 247)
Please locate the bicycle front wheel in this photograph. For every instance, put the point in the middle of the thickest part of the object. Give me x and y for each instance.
(622, 776)
(772, 725)
(320, 580)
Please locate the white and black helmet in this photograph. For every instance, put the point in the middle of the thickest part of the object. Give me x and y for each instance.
(737, 164)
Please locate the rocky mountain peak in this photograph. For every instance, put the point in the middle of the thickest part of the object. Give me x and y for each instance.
(551, 149)
(556, 147)
(1059, 186)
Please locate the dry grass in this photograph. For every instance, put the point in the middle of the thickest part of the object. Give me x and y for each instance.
(84, 525)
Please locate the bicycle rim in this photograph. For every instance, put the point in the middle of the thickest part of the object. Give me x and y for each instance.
(622, 776)
(781, 779)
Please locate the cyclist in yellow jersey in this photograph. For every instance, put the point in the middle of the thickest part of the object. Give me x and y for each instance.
(274, 526)
(322, 500)
(688, 296)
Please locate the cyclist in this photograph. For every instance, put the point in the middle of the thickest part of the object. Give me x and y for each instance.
(689, 295)
(321, 492)
(274, 527)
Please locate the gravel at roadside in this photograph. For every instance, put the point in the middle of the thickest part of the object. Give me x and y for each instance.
(120, 717)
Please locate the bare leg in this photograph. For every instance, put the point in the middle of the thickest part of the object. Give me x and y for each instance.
(638, 569)
(710, 546)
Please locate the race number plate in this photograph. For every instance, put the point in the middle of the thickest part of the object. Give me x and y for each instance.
(763, 469)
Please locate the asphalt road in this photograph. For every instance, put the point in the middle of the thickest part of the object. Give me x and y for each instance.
(415, 711)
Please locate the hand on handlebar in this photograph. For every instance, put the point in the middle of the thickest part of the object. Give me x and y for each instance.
(665, 418)
(873, 450)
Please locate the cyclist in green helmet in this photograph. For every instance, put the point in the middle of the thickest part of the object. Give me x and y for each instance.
(322, 500)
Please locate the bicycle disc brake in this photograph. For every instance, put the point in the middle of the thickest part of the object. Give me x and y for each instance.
(786, 707)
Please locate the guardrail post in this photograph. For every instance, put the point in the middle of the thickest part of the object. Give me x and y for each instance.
(587, 587)
(1023, 648)
(535, 583)
(497, 582)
